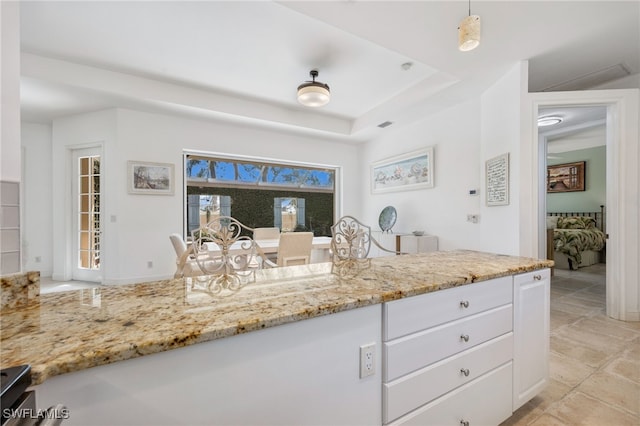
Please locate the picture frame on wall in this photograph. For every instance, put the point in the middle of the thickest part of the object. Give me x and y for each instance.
(413, 170)
(150, 178)
(567, 177)
(497, 180)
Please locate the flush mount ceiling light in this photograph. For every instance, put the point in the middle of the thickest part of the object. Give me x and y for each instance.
(549, 121)
(469, 32)
(313, 93)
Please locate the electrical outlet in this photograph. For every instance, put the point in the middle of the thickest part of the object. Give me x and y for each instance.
(367, 360)
(473, 218)
(149, 264)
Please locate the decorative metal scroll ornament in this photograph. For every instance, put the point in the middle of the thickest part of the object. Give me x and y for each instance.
(228, 259)
(350, 244)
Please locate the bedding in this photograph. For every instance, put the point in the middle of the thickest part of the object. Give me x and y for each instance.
(574, 235)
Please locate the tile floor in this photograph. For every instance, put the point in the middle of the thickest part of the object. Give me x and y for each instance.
(47, 285)
(594, 362)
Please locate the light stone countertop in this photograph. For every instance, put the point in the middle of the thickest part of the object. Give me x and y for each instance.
(74, 330)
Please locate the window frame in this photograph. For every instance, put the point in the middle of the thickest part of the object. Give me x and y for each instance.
(337, 182)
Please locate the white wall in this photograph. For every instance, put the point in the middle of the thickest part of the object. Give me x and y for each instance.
(10, 48)
(137, 227)
(464, 137)
(441, 210)
(37, 202)
(10, 250)
(68, 133)
(500, 134)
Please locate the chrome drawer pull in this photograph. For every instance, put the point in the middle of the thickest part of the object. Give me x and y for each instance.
(464, 423)
(465, 372)
(464, 337)
(464, 304)
(537, 277)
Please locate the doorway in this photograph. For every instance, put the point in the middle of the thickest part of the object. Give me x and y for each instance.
(622, 186)
(86, 208)
(575, 139)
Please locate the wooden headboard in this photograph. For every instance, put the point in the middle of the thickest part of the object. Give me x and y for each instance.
(598, 216)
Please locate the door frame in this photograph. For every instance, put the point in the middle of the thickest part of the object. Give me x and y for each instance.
(70, 233)
(623, 296)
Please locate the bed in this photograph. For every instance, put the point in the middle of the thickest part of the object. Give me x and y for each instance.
(579, 238)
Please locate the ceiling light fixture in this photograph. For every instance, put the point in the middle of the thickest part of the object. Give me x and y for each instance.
(549, 121)
(469, 32)
(313, 93)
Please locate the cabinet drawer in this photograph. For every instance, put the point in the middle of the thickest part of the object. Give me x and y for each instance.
(410, 353)
(416, 389)
(406, 316)
(484, 401)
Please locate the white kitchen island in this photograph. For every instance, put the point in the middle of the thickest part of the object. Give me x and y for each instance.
(286, 349)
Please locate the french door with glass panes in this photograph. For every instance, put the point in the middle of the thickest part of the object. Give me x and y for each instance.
(87, 228)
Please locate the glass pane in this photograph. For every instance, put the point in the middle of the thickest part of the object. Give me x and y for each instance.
(96, 184)
(84, 203)
(84, 259)
(96, 165)
(84, 166)
(84, 185)
(84, 222)
(289, 214)
(84, 241)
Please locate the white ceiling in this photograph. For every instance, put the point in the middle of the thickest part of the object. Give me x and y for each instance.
(243, 60)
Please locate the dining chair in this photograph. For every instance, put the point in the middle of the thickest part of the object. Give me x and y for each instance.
(186, 264)
(266, 233)
(294, 248)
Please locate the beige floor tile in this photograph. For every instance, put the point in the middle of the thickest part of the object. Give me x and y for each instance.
(560, 318)
(587, 337)
(559, 305)
(554, 392)
(568, 370)
(549, 420)
(572, 284)
(633, 350)
(613, 390)
(560, 291)
(580, 409)
(609, 329)
(600, 299)
(523, 415)
(582, 302)
(572, 349)
(626, 367)
(632, 325)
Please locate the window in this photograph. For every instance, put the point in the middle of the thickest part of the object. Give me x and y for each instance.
(291, 197)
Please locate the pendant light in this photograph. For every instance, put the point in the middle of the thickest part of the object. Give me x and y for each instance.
(313, 93)
(469, 32)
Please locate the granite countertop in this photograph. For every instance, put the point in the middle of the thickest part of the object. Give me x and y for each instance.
(74, 330)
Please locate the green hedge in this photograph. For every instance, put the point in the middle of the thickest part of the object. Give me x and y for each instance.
(254, 207)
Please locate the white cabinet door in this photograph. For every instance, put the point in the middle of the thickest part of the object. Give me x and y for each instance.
(531, 335)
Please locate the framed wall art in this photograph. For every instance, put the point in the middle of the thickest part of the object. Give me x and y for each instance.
(497, 180)
(150, 178)
(567, 177)
(413, 170)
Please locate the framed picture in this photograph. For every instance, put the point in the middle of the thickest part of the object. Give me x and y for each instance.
(413, 170)
(567, 177)
(150, 178)
(497, 180)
